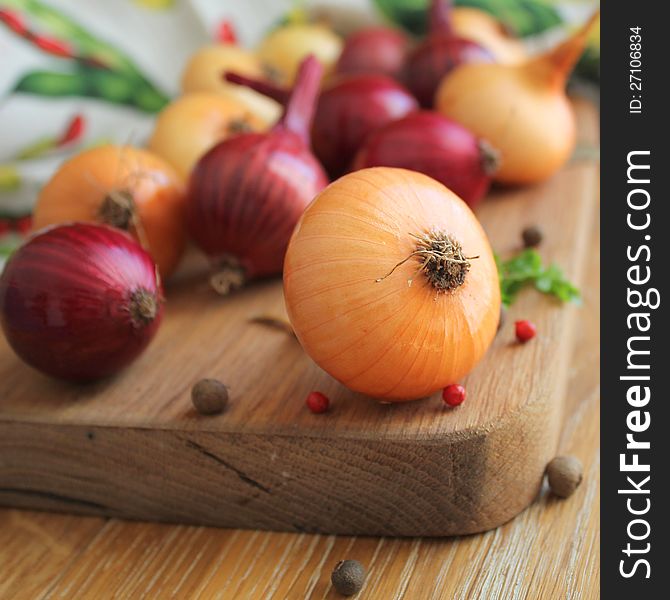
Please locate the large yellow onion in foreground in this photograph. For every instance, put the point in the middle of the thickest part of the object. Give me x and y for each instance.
(391, 285)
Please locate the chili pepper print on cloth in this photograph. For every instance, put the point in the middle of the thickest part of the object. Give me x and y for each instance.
(72, 79)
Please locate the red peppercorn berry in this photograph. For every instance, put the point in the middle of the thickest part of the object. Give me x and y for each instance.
(453, 394)
(317, 402)
(525, 331)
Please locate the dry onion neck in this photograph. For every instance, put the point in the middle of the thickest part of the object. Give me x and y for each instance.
(118, 209)
(441, 259)
(439, 18)
(490, 157)
(272, 74)
(143, 307)
(239, 126)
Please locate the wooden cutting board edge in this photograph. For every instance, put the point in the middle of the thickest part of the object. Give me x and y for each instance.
(466, 481)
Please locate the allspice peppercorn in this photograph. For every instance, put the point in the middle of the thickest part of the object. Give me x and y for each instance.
(348, 577)
(209, 396)
(564, 473)
(532, 236)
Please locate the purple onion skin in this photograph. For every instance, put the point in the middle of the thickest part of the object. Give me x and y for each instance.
(351, 108)
(247, 194)
(66, 301)
(373, 50)
(429, 143)
(435, 58)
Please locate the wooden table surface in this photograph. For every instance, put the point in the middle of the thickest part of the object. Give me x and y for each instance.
(549, 551)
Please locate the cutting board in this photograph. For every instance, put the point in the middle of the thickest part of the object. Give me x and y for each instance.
(133, 447)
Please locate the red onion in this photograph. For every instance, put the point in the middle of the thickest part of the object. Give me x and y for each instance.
(80, 301)
(349, 110)
(247, 193)
(439, 53)
(377, 50)
(432, 144)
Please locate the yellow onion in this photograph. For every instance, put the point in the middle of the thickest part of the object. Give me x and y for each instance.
(190, 125)
(481, 27)
(282, 51)
(521, 110)
(204, 73)
(391, 285)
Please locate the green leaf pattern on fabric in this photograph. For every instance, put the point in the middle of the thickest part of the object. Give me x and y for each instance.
(10, 179)
(525, 17)
(98, 70)
(155, 4)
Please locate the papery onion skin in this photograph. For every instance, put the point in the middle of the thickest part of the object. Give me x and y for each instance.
(427, 142)
(67, 301)
(388, 339)
(376, 50)
(522, 110)
(247, 193)
(349, 109)
(77, 191)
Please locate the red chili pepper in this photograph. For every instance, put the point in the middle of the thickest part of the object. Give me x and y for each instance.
(453, 394)
(23, 225)
(525, 331)
(53, 46)
(73, 132)
(317, 402)
(14, 21)
(225, 33)
(4, 226)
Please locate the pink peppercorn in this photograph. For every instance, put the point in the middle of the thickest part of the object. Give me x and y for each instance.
(525, 331)
(453, 394)
(317, 402)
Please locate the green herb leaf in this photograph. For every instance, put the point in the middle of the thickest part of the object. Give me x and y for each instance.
(526, 269)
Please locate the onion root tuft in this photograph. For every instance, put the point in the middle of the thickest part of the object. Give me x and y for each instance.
(143, 307)
(228, 277)
(118, 209)
(441, 259)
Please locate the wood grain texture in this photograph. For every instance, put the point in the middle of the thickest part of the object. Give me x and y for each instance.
(133, 447)
(551, 551)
